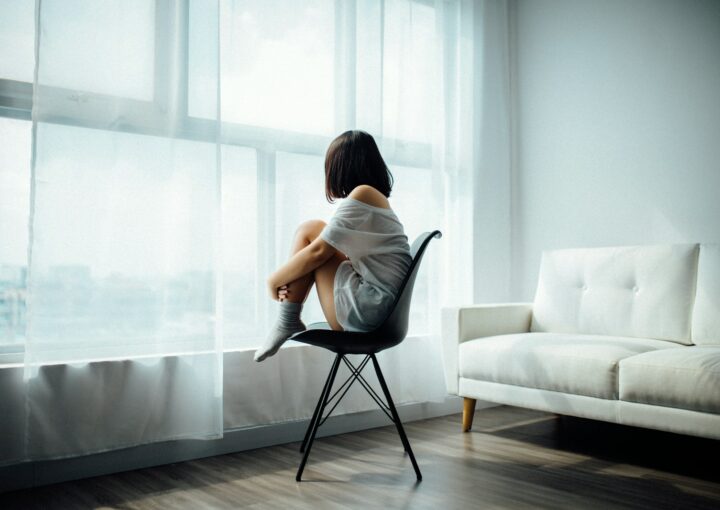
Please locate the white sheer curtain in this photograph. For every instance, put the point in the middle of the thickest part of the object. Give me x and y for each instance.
(168, 133)
(125, 233)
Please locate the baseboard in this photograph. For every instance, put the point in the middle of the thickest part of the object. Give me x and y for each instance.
(34, 474)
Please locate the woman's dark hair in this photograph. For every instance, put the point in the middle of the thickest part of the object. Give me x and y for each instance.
(353, 159)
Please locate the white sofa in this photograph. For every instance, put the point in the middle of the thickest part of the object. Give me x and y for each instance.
(625, 334)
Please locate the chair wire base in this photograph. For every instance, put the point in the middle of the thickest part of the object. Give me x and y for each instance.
(388, 407)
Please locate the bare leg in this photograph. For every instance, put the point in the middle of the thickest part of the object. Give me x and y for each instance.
(323, 276)
(325, 285)
(295, 293)
(305, 234)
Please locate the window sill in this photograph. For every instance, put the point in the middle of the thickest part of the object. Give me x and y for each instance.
(16, 359)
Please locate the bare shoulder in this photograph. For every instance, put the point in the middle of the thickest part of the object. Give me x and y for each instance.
(369, 195)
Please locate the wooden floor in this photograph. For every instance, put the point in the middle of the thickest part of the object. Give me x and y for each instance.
(513, 458)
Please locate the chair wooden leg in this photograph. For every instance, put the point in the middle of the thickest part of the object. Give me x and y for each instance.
(468, 413)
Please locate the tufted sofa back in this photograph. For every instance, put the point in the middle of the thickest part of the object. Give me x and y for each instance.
(706, 312)
(632, 291)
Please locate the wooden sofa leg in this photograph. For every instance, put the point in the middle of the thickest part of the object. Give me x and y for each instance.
(468, 413)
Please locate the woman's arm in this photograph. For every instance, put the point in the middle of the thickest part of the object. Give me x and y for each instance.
(302, 263)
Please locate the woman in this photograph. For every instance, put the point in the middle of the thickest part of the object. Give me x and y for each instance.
(357, 261)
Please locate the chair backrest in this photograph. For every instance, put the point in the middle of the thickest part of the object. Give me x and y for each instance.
(393, 329)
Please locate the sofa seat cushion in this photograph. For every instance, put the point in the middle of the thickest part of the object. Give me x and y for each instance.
(568, 363)
(685, 378)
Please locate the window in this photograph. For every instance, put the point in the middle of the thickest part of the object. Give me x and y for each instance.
(408, 51)
(153, 277)
(334, 66)
(17, 40)
(243, 287)
(14, 209)
(278, 65)
(133, 23)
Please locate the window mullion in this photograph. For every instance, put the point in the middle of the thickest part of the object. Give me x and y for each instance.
(381, 91)
(345, 64)
(171, 58)
(182, 38)
(266, 230)
(369, 65)
(15, 99)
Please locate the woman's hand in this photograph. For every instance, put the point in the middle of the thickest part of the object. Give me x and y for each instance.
(277, 293)
(273, 289)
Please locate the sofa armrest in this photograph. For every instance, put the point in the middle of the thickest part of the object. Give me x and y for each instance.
(462, 323)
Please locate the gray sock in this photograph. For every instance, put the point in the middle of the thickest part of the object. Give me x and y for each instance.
(288, 323)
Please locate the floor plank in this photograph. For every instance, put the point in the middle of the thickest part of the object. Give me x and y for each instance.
(513, 458)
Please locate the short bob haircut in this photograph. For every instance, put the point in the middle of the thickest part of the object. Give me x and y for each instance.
(353, 159)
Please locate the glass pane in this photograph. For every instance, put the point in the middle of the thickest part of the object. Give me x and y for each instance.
(14, 211)
(368, 70)
(412, 201)
(278, 64)
(242, 285)
(17, 40)
(123, 246)
(409, 76)
(203, 59)
(102, 47)
(300, 196)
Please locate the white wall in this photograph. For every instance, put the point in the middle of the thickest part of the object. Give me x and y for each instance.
(492, 160)
(618, 126)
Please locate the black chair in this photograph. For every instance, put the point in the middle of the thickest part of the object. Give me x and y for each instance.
(390, 333)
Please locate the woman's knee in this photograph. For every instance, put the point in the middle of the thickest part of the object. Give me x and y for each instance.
(310, 228)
